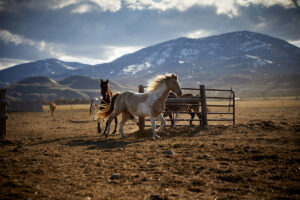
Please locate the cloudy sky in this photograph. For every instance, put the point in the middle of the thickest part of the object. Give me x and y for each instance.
(97, 31)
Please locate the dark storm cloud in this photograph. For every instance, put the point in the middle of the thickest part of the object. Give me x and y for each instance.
(92, 33)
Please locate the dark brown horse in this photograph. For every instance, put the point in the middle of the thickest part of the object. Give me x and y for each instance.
(107, 98)
(175, 107)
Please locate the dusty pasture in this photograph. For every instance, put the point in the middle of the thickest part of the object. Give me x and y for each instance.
(64, 158)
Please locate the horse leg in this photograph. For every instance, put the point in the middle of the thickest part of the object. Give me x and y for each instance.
(125, 117)
(170, 116)
(192, 117)
(172, 120)
(155, 136)
(108, 122)
(175, 118)
(196, 109)
(116, 124)
(163, 122)
(99, 128)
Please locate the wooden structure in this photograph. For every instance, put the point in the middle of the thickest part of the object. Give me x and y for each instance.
(206, 104)
(3, 114)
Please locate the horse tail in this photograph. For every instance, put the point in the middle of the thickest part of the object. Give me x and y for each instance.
(108, 109)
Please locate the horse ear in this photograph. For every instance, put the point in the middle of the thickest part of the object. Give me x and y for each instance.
(106, 80)
(101, 80)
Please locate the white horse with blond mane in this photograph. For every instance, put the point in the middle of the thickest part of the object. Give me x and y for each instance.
(151, 103)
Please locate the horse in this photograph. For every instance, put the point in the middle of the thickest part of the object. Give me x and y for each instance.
(52, 108)
(151, 103)
(174, 107)
(107, 97)
(95, 107)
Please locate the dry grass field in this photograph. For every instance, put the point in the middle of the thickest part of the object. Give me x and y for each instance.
(64, 158)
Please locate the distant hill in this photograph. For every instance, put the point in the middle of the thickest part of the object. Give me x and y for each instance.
(246, 61)
(45, 89)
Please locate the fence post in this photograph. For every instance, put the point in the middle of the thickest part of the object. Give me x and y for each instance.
(203, 104)
(233, 107)
(3, 116)
(141, 119)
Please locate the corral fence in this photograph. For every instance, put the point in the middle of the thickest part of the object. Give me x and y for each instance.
(3, 114)
(216, 105)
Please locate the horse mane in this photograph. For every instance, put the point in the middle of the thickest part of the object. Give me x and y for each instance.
(156, 81)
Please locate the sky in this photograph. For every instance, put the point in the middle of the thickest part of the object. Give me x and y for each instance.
(99, 31)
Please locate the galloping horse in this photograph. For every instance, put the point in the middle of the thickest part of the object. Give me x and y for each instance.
(174, 107)
(52, 108)
(107, 98)
(151, 103)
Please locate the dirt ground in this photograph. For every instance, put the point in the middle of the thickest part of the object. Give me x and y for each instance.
(64, 158)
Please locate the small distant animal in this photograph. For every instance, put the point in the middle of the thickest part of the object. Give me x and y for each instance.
(52, 108)
(151, 103)
(175, 107)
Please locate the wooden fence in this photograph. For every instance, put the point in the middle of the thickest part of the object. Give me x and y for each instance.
(206, 103)
(3, 114)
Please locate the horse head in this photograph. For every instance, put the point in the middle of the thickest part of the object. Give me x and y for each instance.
(105, 91)
(173, 84)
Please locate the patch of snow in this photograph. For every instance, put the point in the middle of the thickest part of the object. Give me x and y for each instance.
(225, 58)
(180, 61)
(268, 61)
(254, 44)
(160, 61)
(133, 69)
(212, 52)
(188, 52)
(111, 72)
(68, 67)
(259, 61)
(53, 81)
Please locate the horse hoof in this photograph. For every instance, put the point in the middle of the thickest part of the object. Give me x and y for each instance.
(156, 137)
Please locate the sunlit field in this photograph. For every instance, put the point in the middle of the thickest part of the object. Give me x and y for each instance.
(63, 157)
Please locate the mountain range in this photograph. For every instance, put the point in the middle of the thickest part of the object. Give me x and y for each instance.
(253, 64)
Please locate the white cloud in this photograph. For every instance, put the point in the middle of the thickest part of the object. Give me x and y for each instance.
(108, 54)
(58, 4)
(227, 7)
(108, 5)
(9, 62)
(9, 37)
(82, 9)
(198, 34)
(295, 42)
